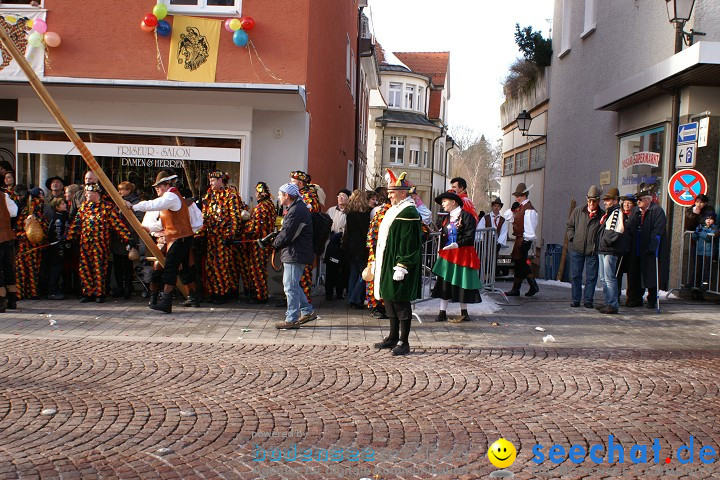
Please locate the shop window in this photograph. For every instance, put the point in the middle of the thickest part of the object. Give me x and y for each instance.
(641, 159)
(204, 7)
(397, 149)
(537, 157)
(508, 165)
(521, 161)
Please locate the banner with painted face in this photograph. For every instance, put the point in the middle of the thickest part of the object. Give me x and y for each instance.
(194, 49)
(18, 25)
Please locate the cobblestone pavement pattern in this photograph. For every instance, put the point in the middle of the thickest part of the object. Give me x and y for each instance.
(190, 410)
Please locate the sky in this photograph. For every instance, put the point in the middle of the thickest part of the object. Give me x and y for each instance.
(480, 38)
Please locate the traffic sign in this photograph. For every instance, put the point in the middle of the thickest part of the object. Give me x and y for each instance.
(687, 132)
(685, 156)
(703, 132)
(685, 185)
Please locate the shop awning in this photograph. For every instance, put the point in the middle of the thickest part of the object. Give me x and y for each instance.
(698, 65)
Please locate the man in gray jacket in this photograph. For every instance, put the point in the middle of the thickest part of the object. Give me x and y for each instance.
(581, 232)
(295, 240)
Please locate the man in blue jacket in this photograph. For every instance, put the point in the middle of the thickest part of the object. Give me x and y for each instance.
(295, 241)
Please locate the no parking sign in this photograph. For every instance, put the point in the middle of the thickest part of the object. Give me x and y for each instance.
(685, 185)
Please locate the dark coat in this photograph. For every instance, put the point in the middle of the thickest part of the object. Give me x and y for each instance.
(693, 220)
(582, 230)
(355, 236)
(609, 240)
(117, 247)
(296, 236)
(465, 234)
(649, 237)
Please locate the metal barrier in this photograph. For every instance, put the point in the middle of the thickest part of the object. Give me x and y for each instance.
(486, 248)
(698, 269)
(429, 254)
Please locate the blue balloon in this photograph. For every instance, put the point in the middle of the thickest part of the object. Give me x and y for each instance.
(240, 38)
(163, 28)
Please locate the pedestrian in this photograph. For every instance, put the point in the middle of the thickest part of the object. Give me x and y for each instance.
(56, 187)
(8, 286)
(295, 241)
(525, 220)
(177, 235)
(335, 262)
(582, 228)
(59, 251)
(706, 258)
(628, 203)
(9, 184)
(397, 266)
(261, 223)
(354, 246)
(91, 227)
(495, 220)
(309, 195)
(122, 265)
(457, 265)
(650, 259)
(610, 243)
(459, 186)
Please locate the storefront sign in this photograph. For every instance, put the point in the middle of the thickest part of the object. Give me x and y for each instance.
(684, 186)
(135, 152)
(641, 158)
(150, 163)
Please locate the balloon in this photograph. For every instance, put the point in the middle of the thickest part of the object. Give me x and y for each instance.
(39, 25)
(240, 38)
(145, 28)
(247, 23)
(227, 25)
(52, 39)
(163, 28)
(235, 24)
(160, 11)
(35, 39)
(150, 20)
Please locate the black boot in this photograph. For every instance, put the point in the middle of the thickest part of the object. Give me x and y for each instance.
(153, 299)
(127, 290)
(464, 316)
(11, 301)
(192, 300)
(2, 304)
(515, 291)
(164, 303)
(442, 316)
(533, 287)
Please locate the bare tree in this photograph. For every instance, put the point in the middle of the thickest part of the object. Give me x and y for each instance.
(478, 162)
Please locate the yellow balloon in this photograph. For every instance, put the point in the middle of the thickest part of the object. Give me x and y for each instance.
(30, 23)
(235, 24)
(502, 453)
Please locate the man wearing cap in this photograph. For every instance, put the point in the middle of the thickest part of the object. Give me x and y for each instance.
(309, 195)
(295, 241)
(261, 224)
(178, 236)
(610, 247)
(92, 225)
(524, 225)
(582, 228)
(649, 259)
(495, 220)
(397, 264)
(221, 223)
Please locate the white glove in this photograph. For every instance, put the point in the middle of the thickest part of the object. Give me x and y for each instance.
(451, 246)
(399, 274)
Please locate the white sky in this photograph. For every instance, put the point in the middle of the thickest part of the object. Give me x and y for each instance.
(480, 37)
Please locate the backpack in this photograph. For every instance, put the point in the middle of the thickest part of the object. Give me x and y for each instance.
(322, 225)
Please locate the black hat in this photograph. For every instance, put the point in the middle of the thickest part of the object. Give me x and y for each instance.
(711, 214)
(497, 201)
(450, 195)
(646, 190)
(49, 181)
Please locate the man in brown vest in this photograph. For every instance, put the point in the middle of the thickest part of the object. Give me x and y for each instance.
(524, 226)
(178, 236)
(8, 289)
(495, 219)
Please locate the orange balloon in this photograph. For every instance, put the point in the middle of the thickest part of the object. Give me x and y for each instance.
(145, 28)
(52, 39)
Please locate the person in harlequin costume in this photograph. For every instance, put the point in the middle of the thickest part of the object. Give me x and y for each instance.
(27, 262)
(221, 222)
(92, 226)
(375, 305)
(241, 253)
(261, 224)
(309, 195)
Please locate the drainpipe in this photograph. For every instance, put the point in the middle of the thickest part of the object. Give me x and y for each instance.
(356, 154)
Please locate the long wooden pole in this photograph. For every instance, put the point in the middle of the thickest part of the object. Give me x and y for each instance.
(57, 114)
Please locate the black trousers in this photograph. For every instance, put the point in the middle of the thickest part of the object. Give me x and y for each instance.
(400, 314)
(7, 263)
(177, 261)
(123, 268)
(57, 272)
(520, 266)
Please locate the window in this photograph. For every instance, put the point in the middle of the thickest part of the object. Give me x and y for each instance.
(565, 32)
(521, 161)
(395, 95)
(641, 160)
(590, 17)
(537, 157)
(414, 147)
(409, 96)
(508, 165)
(348, 61)
(425, 152)
(442, 112)
(421, 99)
(205, 7)
(397, 149)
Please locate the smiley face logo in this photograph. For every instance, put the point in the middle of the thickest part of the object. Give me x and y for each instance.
(502, 453)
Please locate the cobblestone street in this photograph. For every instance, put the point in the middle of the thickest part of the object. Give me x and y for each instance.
(134, 395)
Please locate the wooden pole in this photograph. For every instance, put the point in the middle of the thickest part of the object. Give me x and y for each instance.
(561, 269)
(57, 114)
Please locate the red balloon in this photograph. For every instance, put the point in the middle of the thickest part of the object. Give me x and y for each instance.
(150, 20)
(145, 28)
(247, 23)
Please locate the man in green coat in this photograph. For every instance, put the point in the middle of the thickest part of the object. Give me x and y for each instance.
(397, 264)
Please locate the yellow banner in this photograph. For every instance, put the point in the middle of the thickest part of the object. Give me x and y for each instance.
(193, 49)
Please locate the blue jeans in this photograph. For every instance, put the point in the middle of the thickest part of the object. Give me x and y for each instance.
(296, 300)
(589, 263)
(356, 285)
(608, 279)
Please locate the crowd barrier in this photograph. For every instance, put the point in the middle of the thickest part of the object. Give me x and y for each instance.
(699, 269)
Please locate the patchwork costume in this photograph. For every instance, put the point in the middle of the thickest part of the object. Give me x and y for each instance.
(372, 237)
(261, 224)
(27, 262)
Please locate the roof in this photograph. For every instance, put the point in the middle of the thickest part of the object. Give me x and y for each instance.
(696, 65)
(388, 61)
(395, 116)
(432, 64)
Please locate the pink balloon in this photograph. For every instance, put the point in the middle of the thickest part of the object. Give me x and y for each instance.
(39, 25)
(52, 39)
(227, 26)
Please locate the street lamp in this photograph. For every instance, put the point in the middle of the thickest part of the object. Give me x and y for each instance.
(523, 121)
(681, 12)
